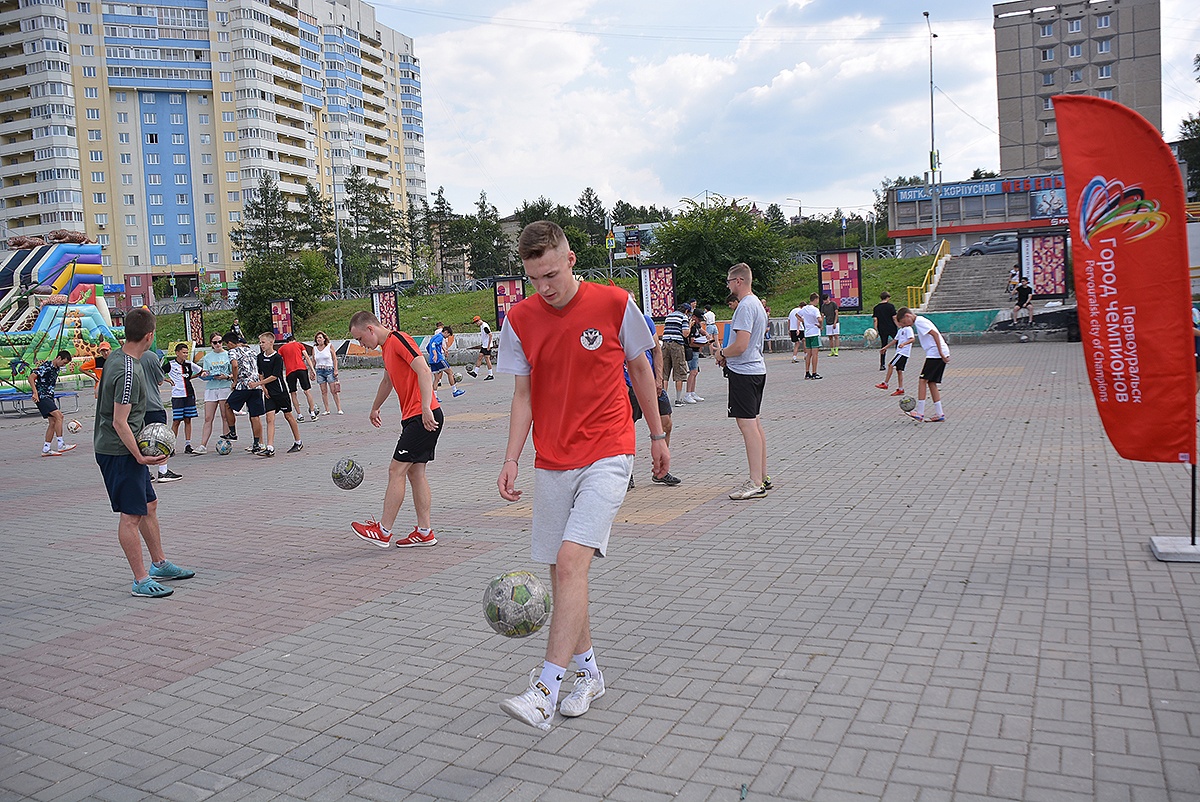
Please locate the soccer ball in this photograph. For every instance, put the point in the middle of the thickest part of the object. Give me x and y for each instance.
(156, 439)
(870, 335)
(347, 474)
(74, 427)
(458, 377)
(908, 403)
(516, 604)
(224, 446)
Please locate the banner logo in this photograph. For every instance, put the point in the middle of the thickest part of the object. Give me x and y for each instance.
(1107, 203)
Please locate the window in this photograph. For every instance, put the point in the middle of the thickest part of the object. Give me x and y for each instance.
(1104, 71)
(202, 100)
(231, 177)
(1074, 26)
(230, 155)
(205, 158)
(206, 178)
(96, 155)
(120, 97)
(184, 219)
(227, 116)
(227, 97)
(213, 257)
(131, 239)
(154, 178)
(98, 177)
(149, 97)
(181, 178)
(99, 197)
(1103, 21)
(203, 119)
(1048, 127)
(233, 197)
(1047, 104)
(177, 139)
(1074, 51)
(151, 139)
(85, 28)
(84, 8)
(1047, 79)
(102, 241)
(126, 158)
(151, 158)
(127, 179)
(150, 119)
(180, 158)
(87, 50)
(158, 239)
(223, 56)
(185, 239)
(101, 219)
(93, 114)
(225, 77)
(211, 238)
(127, 200)
(210, 197)
(134, 281)
(206, 139)
(1050, 152)
(91, 92)
(93, 135)
(157, 220)
(183, 199)
(123, 117)
(160, 258)
(1048, 54)
(235, 217)
(1076, 76)
(156, 200)
(175, 99)
(176, 119)
(210, 219)
(123, 138)
(1107, 94)
(1104, 46)
(89, 72)
(230, 136)
(1048, 30)
(135, 300)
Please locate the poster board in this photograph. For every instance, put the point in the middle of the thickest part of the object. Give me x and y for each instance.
(1044, 262)
(384, 305)
(657, 283)
(193, 322)
(281, 318)
(508, 292)
(840, 275)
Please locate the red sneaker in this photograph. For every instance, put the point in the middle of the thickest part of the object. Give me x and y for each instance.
(899, 392)
(415, 538)
(881, 386)
(372, 532)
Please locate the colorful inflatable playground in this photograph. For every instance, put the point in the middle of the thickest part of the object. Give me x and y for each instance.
(51, 299)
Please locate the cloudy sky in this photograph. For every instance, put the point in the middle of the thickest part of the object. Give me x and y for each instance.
(651, 102)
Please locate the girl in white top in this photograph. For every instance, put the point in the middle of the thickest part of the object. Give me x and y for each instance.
(325, 361)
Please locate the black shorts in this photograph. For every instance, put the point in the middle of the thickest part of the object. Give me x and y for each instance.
(46, 406)
(745, 393)
(277, 402)
(127, 482)
(416, 443)
(899, 362)
(485, 351)
(664, 405)
(154, 416)
(299, 377)
(795, 335)
(885, 337)
(251, 399)
(935, 366)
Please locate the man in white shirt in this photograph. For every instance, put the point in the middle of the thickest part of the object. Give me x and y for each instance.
(485, 349)
(795, 331)
(937, 354)
(810, 316)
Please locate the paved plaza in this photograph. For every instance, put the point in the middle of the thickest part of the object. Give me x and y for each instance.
(958, 611)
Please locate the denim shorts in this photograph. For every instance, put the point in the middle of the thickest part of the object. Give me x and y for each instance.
(325, 376)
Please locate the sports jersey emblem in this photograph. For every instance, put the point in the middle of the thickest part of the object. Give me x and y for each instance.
(591, 339)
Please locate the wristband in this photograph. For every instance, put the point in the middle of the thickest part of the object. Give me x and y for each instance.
(510, 459)
(657, 437)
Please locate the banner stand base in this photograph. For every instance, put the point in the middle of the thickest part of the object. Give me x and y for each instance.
(1175, 549)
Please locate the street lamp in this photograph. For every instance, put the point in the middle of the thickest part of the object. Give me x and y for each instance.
(934, 162)
(799, 208)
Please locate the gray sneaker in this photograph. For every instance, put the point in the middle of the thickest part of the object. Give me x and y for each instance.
(587, 689)
(533, 706)
(748, 490)
(169, 476)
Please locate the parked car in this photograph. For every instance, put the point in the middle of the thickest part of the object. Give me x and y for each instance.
(997, 243)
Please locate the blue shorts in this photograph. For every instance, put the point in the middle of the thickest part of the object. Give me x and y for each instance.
(439, 365)
(183, 408)
(251, 399)
(46, 406)
(325, 376)
(127, 482)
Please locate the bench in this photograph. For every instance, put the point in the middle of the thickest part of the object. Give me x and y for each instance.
(22, 403)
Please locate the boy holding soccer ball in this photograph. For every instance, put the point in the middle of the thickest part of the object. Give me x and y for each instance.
(583, 440)
(120, 415)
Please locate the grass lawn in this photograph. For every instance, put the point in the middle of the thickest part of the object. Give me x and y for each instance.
(419, 314)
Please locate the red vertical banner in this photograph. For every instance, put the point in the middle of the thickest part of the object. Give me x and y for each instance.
(281, 318)
(1126, 207)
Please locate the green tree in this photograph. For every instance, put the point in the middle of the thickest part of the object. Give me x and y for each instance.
(543, 209)
(304, 279)
(266, 230)
(589, 213)
(488, 250)
(1189, 145)
(313, 222)
(371, 232)
(981, 174)
(704, 242)
(775, 219)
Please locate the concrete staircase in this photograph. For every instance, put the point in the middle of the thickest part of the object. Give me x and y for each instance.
(973, 282)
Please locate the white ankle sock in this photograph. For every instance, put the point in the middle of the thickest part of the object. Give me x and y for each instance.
(920, 407)
(587, 662)
(937, 408)
(552, 677)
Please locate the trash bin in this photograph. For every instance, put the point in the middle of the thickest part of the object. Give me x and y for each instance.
(1073, 335)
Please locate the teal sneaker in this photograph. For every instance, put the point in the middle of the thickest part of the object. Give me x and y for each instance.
(169, 570)
(150, 589)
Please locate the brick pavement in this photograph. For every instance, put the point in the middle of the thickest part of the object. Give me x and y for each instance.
(958, 611)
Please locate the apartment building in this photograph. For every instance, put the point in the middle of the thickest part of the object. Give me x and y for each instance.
(1104, 48)
(149, 126)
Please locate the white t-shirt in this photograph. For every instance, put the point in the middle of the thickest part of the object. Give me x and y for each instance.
(812, 320)
(924, 328)
(485, 335)
(794, 322)
(905, 333)
(323, 357)
(710, 318)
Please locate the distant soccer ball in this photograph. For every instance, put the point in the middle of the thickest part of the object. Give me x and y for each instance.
(156, 439)
(871, 335)
(516, 604)
(347, 474)
(908, 403)
(224, 446)
(1023, 338)
(458, 377)
(74, 427)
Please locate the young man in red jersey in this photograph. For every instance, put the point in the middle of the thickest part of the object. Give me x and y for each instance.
(406, 372)
(566, 348)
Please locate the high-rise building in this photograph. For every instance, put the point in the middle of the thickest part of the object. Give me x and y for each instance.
(1105, 48)
(149, 126)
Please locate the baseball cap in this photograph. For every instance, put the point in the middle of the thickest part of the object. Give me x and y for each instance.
(476, 319)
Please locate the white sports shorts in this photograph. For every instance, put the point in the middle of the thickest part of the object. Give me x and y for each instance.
(833, 329)
(577, 505)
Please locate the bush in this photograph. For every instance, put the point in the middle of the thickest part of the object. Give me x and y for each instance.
(303, 280)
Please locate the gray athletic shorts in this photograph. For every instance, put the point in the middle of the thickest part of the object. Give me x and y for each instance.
(578, 506)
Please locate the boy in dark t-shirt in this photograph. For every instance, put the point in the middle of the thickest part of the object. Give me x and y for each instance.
(271, 380)
(885, 323)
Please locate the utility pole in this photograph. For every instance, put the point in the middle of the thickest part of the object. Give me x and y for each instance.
(931, 181)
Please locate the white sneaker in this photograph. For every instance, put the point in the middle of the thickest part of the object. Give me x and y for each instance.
(200, 449)
(587, 688)
(533, 706)
(690, 398)
(697, 397)
(748, 490)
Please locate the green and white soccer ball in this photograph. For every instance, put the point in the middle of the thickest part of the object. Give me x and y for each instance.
(516, 604)
(348, 473)
(156, 439)
(458, 377)
(908, 403)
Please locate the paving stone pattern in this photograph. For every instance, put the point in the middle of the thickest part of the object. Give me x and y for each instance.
(956, 611)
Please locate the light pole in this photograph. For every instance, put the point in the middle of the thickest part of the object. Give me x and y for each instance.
(934, 162)
(799, 208)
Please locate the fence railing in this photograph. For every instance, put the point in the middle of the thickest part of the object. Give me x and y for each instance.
(916, 295)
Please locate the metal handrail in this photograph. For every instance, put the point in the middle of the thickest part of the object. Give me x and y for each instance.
(916, 295)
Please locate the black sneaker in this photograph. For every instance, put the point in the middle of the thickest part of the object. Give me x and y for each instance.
(631, 481)
(665, 479)
(257, 448)
(808, 375)
(188, 449)
(169, 476)
(489, 378)
(295, 447)
(817, 376)
(766, 485)
(266, 452)
(229, 436)
(471, 372)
